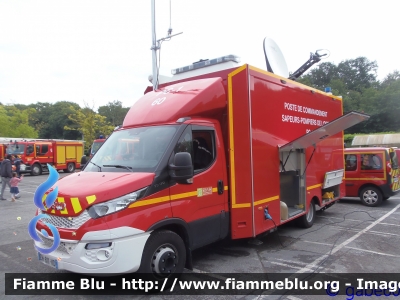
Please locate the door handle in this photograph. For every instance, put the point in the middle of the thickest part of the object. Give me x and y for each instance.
(220, 187)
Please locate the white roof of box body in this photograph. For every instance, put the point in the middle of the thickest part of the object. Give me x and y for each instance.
(377, 140)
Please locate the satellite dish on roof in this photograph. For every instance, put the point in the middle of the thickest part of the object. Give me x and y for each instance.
(274, 58)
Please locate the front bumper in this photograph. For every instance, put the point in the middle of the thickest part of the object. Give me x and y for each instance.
(25, 168)
(122, 253)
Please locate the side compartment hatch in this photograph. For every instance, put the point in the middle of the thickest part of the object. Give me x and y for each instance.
(294, 165)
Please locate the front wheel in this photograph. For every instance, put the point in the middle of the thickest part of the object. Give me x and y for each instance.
(307, 220)
(371, 196)
(36, 170)
(163, 255)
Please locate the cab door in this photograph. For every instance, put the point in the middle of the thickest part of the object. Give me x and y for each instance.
(352, 174)
(202, 201)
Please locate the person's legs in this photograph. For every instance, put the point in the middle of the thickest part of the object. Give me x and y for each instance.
(7, 183)
(13, 197)
(4, 182)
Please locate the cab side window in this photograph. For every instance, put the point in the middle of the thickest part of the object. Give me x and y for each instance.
(200, 144)
(351, 162)
(203, 149)
(371, 162)
(185, 143)
(45, 149)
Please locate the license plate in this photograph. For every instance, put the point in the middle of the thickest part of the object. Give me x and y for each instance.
(48, 261)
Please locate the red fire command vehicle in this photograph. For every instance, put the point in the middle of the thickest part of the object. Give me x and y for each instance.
(372, 173)
(235, 152)
(36, 154)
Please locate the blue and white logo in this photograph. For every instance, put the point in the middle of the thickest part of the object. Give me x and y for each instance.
(50, 199)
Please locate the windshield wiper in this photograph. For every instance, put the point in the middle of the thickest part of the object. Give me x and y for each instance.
(119, 166)
(96, 165)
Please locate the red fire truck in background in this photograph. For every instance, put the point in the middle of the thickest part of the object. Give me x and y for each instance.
(36, 154)
(96, 145)
(2, 151)
(231, 150)
(92, 150)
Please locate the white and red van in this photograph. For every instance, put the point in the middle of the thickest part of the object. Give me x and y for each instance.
(372, 173)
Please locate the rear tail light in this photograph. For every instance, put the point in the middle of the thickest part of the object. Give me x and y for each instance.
(389, 168)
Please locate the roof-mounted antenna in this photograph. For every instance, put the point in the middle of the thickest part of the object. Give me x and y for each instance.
(314, 58)
(156, 44)
(274, 58)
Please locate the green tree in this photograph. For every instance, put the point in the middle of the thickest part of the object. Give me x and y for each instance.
(355, 80)
(4, 123)
(390, 78)
(114, 112)
(15, 122)
(358, 73)
(50, 120)
(89, 124)
(321, 76)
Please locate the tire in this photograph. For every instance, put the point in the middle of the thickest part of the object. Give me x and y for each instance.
(36, 170)
(371, 196)
(164, 255)
(70, 168)
(307, 220)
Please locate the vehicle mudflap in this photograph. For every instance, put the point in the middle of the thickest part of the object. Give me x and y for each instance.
(189, 261)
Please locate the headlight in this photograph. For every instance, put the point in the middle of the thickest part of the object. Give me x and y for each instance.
(112, 206)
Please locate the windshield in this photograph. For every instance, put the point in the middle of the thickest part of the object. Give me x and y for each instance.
(15, 149)
(95, 147)
(133, 150)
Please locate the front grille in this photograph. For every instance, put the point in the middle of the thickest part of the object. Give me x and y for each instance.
(67, 222)
(49, 243)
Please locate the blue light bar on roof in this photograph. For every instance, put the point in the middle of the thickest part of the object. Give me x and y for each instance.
(205, 63)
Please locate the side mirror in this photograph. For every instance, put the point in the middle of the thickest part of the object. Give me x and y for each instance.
(182, 169)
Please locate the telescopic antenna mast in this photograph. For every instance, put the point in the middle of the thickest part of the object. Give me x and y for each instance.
(156, 44)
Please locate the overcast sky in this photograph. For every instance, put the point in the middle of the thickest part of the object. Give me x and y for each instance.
(99, 51)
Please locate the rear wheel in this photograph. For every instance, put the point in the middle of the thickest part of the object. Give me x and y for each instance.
(307, 220)
(36, 170)
(70, 168)
(371, 196)
(164, 255)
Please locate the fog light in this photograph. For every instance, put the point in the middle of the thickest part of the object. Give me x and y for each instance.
(92, 246)
(103, 255)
